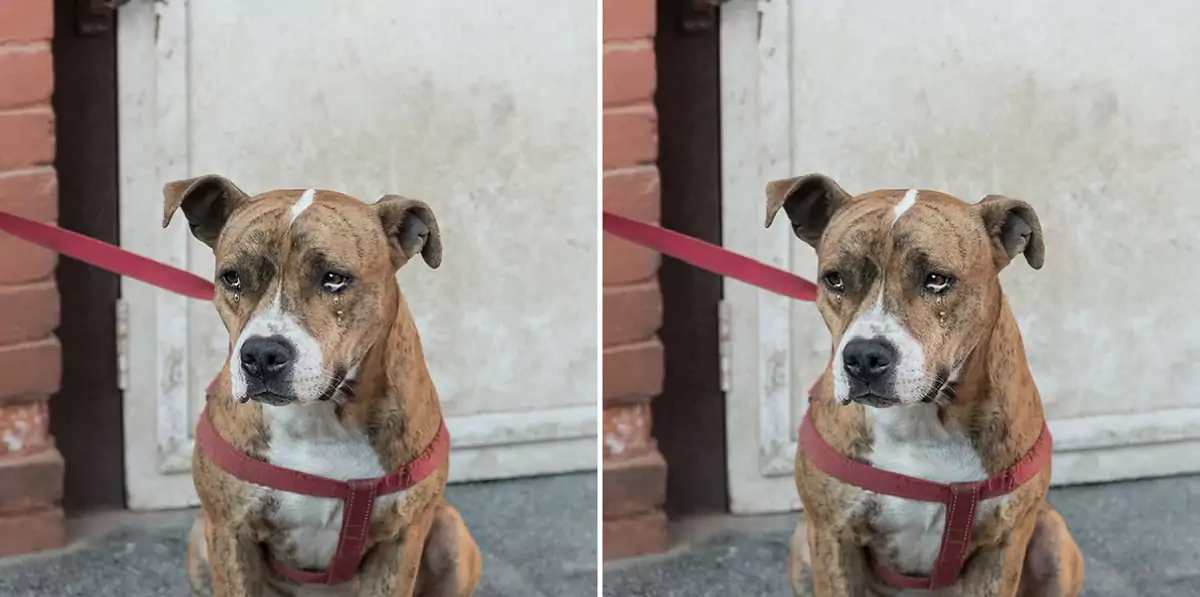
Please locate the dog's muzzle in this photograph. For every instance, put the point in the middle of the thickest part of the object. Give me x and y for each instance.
(869, 365)
(266, 362)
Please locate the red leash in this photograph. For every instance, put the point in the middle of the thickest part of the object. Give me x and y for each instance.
(682, 247)
(711, 257)
(107, 257)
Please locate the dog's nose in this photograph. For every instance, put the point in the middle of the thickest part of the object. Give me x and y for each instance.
(868, 360)
(265, 357)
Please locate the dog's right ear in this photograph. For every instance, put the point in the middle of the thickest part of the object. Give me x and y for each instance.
(810, 202)
(207, 203)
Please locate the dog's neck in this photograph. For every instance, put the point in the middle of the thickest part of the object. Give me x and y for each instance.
(392, 398)
(996, 386)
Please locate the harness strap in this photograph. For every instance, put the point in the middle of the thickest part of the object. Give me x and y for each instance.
(961, 499)
(358, 495)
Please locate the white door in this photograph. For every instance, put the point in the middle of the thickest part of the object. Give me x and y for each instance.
(1086, 109)
(485, 110)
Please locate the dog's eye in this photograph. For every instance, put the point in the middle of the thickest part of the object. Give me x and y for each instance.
(833, 280)
(937, 283)
(231, 280)
(334, 282)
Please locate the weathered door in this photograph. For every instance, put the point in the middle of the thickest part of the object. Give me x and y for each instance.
(1085, 109)
(487, 111)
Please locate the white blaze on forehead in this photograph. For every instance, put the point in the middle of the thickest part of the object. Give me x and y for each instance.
(909, 200)
(304, 202)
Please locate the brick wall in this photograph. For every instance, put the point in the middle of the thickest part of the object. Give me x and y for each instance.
(31, 469)
(634, 471)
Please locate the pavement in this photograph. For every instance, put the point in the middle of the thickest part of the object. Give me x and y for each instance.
(537, 535)
(1139, 539)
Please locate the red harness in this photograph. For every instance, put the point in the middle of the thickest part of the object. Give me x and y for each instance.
(961, 499)
(357, 495)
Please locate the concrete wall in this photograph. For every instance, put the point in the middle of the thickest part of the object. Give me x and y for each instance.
(31, 469)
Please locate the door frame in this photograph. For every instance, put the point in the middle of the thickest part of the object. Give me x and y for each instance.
(85, 415)
(689, 416)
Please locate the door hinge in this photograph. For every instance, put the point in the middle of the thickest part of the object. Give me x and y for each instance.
(724, 344)
(698, 15)
(122, 345)
(96, 17)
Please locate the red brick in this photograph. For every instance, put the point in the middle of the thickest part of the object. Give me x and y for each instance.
(30, 368)
(27, 75)
(626, 431)
(631, 313)
(634, 485)
(24, 428)
(26, 20)
(633, 193)
(23, 261)
(630, 136)
(28, 532)
(634, 536)
(624, 262)
(26, 138)
(633, 370)
(38, 308)
(31, 194)
(629, 74)
(31, 482)
(628, 19)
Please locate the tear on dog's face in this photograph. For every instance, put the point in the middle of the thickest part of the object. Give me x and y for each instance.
(908, 280)
(305, 280)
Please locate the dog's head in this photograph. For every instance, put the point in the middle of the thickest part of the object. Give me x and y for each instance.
(305, 280)
(907, 279)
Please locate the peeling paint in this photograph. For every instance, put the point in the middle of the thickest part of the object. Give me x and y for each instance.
(627, 430)
(24, 428)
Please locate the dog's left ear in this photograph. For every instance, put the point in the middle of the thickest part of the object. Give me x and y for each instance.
(411, 228)
(1014, 229)
(810, 202)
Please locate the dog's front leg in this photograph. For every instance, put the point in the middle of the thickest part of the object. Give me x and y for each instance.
(390, 569)
(235, 564)
(839, 568)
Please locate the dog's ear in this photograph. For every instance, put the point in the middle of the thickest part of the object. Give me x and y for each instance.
(1014, 229)
(810, 202)
(207, 203)
(411, 228)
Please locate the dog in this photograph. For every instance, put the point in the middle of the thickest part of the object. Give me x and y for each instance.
(326, 377)
(928, 378)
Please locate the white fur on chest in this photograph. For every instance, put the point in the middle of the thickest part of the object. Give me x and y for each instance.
(311, 439)
(911, 441)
